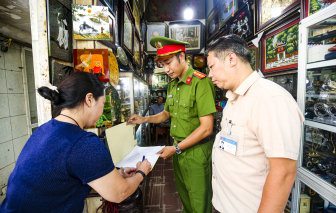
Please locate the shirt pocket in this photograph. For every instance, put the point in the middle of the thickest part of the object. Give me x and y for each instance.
(170, 103)
(186, 108)
(238, 132)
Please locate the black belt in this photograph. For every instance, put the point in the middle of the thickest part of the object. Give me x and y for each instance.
(203, 141)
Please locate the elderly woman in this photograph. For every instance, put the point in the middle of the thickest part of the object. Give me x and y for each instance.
(61, 163)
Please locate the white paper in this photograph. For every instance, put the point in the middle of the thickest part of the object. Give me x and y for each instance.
(256, 40)
(137, 154)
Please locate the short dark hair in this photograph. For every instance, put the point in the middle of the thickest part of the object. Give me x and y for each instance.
(72, 91)
(177, 55)
(230, 43)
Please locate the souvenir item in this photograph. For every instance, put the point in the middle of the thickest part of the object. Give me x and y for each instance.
(60, 28)
(136, 15)
(241, 24)
(128, 30)
(121, 56)
(227, 9)
(153, 30)
(137, 51)
(113, 100)
(114, 69)
(280, 48)
(212, 25)
(94, 61)
(199, 61)
(188, 31)
(90, 22)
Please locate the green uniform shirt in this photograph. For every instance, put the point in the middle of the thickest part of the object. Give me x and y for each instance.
(186, 103)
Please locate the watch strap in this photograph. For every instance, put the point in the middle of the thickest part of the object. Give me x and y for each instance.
(143, 175)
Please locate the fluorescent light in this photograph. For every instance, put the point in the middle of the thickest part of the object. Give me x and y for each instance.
(188, 13)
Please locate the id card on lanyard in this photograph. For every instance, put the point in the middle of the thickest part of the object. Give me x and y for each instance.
(228, 142)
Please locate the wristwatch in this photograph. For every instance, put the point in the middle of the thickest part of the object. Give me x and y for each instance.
(177, 150)
(143, 175)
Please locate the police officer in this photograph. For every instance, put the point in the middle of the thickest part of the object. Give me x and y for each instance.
(190, 105)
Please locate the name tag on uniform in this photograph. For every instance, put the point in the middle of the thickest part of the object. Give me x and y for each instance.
(228, 145)
(170, 96)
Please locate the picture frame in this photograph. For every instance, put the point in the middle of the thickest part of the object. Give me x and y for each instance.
(254, 57)
(59, 31)
(154, 29)
(264, 9)
(212, 26)
(98, 62)
(107, 3)
(241, 24)
(313, 6)
(127, 31)
(136, 15)
(137, 51)
(287, 80)
(143, 29)
(227, 8)
(59, 72)
(160, 82)
(199, 61)
(280, 47)
(188, 31)
(116, 26)
(90, 22)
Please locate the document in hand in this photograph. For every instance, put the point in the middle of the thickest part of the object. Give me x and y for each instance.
(137, 153)
(123, 147)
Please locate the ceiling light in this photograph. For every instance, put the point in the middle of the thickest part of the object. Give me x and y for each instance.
(188, 13)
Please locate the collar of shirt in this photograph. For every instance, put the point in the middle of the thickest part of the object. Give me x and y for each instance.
(189, 73)
(243, 87)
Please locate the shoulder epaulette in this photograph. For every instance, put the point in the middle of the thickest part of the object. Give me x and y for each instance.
(199, 75)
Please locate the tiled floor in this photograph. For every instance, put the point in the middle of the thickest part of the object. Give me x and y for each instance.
(161, 192)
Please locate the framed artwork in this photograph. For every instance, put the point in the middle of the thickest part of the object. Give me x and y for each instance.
(241, 24)
(313, 6)
(188, 31)
(154, 29)
(128, 30)
(189, 59)
(150, 63)
(59, 27)
(212, 25)
(112, 24)
(95, 61)
(114, 69)
(265, 10)
(160, 81)
(116, 29)
(60, 72)
(288, 81)
(280, 48)
(136, 15)
(107, 3)
(227, 9)
(253, 51)
(143, 30)
(137, 51)
(90, 22)
(199, 61)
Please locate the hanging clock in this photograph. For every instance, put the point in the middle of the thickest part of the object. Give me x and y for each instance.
(121, 56)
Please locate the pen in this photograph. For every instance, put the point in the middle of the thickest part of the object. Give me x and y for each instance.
(143, 158)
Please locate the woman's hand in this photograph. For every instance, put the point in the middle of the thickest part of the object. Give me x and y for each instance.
(144, 166)
(130, 171)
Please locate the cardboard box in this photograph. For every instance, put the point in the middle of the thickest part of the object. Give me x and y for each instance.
(304, 203)
(317, 53)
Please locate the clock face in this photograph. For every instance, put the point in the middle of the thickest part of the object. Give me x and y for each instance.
(122, 56)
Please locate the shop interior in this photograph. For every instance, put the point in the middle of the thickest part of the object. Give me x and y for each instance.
(292, 43)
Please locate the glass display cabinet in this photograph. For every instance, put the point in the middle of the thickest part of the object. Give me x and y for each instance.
(134, 98)
(315, 185)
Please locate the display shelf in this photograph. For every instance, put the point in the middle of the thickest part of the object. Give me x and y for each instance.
(321, 64)
(324, 36)
(320, 126)
(316, 85)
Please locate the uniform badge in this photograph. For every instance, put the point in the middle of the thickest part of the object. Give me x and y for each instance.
(199, 75)
(188, 81)
(158, 45)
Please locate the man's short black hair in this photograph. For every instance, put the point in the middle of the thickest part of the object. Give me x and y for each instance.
(227, 44)
(177, 55)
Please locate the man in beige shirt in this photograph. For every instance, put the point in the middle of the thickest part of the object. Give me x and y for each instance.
(254, 155)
